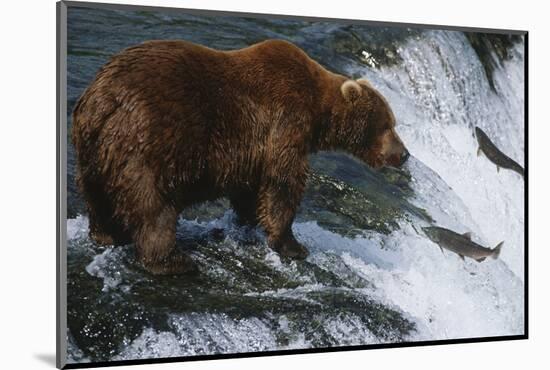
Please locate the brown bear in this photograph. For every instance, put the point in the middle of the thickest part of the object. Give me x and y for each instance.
(166, 124)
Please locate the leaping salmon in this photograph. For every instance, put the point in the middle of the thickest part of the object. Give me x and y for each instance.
(494, 154)
(461, 244)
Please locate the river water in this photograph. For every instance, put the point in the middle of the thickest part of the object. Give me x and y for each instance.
(372, 275)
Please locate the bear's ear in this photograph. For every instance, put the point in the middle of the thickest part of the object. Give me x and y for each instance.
(364, 82)
(351, 90)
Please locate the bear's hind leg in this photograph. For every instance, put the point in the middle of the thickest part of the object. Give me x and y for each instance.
(98, 235)
(156, 245)
(104, 230)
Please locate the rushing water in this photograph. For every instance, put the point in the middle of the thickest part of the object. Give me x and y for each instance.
(372, 276)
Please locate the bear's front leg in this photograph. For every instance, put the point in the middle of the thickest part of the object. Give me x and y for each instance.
(278, 202)
(156, 245)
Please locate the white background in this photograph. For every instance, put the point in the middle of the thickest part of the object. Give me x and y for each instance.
(27, 186)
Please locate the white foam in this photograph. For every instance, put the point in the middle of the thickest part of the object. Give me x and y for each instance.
(446, 297)
(151, 344)
(108, 266)
(199, 334)
(77, 228)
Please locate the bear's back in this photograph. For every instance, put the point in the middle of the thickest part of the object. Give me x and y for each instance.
(180, 107)
(158, 72)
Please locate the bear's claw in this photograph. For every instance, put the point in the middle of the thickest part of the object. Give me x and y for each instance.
(292, 250)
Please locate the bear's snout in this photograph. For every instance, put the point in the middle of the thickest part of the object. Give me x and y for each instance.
(390, 150)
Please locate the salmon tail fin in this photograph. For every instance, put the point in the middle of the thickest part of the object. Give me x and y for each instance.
(496, 251)
(520, 171)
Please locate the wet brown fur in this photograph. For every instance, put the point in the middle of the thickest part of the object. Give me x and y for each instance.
(166, 124)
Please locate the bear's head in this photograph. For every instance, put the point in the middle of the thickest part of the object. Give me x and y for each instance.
(363, 124)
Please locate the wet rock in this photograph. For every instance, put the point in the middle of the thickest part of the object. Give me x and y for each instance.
(492, 49)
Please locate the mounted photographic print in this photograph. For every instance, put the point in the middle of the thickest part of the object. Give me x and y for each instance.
(234, 184)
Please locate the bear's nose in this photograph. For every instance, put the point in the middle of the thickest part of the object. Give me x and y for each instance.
(404, 156)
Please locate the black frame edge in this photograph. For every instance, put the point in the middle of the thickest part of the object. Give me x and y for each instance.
(526, 185)
(61, 191)
(292, 352)
(58, 72)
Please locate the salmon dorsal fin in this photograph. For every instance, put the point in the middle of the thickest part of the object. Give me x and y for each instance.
(468, 235)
